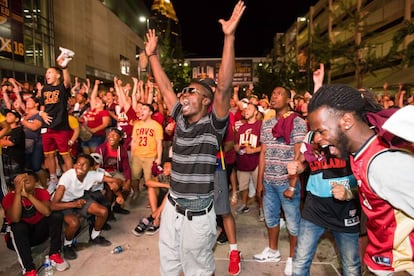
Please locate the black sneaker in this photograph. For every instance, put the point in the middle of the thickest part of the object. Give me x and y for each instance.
(111, 216)
(99, 240)
(119, 210)
(106, 227)
(243, 209)
(141, 227)
(69, 252)
(222, 238)
(152, 229)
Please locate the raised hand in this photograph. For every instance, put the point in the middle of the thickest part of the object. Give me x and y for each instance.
(19, 184)
(152, 42)
(229, 26)
(318, 77)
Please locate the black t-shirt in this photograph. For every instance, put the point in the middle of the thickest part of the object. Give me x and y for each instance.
(333, 214)
(55, 101)
(16, 152)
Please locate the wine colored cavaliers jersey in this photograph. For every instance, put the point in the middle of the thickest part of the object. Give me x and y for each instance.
(390, 230)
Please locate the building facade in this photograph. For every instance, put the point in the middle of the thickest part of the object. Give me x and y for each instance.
(106, 37)
(380, 21)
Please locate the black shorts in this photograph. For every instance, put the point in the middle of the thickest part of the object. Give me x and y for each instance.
(83, 212)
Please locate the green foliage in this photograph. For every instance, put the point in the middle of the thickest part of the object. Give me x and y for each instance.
(281, 69)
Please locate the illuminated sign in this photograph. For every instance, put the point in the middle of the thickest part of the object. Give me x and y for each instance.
(11, 30)
(209, 68)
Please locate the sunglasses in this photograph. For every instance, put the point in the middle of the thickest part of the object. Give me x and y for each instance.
(191, 90)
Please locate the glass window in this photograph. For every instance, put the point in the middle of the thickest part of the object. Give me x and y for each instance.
(125, 65)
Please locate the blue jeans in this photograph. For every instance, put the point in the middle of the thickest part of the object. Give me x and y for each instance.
(273, 201)
(309, 235)
(34, 160)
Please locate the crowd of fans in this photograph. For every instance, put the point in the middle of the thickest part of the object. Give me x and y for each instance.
(117, 140)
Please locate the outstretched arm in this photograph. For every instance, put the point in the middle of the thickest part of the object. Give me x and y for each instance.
(122, 100)
(135, 95)
(65, 71)
(94, 94)
(318, 77)
(221, 103)
(160, 76)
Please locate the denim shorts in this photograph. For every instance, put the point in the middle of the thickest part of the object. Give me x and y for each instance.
(221, 192)
(273, 201)
(95, 141)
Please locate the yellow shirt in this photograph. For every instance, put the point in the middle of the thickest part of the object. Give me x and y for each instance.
(144, 138)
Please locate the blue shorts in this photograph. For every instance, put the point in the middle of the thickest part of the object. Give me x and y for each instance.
(273, 201)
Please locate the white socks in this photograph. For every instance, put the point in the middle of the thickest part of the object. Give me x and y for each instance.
(95, 233)
(66, 242)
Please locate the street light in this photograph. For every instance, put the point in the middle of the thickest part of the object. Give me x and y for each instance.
(144, 19)
(143, 64)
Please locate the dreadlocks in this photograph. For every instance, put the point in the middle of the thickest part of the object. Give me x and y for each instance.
(344, 98)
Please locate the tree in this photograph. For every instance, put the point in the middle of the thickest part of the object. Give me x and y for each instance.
(354, 53)
(281, 70)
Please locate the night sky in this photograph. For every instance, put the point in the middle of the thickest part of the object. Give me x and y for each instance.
(262, 19)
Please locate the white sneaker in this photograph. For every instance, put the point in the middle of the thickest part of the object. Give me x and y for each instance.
(289, 267)
(65, 62)
(66, 52)
(66, 55)
(267, 256)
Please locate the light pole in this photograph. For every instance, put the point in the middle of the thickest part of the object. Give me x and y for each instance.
(144, 19)
(143, 64)
(305, 59)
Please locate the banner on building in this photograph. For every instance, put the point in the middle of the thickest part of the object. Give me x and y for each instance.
(11, 30)
(208, 68)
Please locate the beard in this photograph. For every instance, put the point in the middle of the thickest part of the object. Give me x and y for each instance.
(343, 143)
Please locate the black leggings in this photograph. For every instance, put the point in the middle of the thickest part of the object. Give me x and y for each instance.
(24, 236)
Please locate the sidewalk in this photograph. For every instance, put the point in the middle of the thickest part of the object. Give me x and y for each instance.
(141, 256)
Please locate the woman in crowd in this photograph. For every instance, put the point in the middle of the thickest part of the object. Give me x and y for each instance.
(97, 119)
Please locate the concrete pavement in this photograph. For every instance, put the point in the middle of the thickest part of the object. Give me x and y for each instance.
(141, 255)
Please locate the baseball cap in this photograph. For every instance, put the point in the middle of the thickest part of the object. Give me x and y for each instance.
(401, 123)
(97, 157)
(207, 85)
(245, 102)
(14, 112)
(209, 81)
